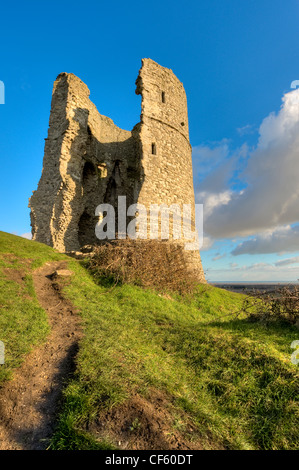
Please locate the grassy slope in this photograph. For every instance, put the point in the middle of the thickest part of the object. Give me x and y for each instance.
(233, 380)
(23, 323)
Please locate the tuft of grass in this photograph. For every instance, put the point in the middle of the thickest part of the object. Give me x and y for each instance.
(69, 437)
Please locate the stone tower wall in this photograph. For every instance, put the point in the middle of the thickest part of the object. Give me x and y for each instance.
(81, 153)
(166, 155)
(168, 172)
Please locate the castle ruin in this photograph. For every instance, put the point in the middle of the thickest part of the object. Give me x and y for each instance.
(89, 161)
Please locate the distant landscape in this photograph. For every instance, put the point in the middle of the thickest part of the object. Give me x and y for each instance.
(249, 286)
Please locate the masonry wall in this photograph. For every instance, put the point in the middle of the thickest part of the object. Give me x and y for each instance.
(88, 160)
(166, 155)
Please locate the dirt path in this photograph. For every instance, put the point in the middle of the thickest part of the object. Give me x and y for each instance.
(29, 402)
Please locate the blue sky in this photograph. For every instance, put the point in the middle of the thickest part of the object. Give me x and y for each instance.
(237, 60)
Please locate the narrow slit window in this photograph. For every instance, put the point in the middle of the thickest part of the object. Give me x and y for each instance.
(154, 149)
(163, 96)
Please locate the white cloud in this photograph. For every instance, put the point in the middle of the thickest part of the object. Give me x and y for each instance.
(218, 256)
(270, 198)
(257, 272)
(284, 239)
(233, 265)
(215, 166)
(287, 261)
(27, 235)
(207, 243)
(248, 129)
(213, 200)
(210, 155)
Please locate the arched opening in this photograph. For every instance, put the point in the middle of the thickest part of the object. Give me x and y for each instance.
(89, 177)
(88, 171)
(86, 229)
(87, 222)
(115, 188)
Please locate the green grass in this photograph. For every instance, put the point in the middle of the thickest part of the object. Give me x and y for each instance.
(23, 323)
(232, 379)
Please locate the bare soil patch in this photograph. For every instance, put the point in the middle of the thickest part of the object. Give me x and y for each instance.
(145, 423)
(30, 401)
(15, 275)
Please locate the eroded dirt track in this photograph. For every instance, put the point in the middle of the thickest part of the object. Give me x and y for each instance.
(29, 402)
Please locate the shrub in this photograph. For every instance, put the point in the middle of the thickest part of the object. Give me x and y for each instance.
(146, 263)
(282, 303)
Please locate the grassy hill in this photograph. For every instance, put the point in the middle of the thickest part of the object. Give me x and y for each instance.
(154, 369)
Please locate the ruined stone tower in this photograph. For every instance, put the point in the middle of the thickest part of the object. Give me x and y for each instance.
(89, 161)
